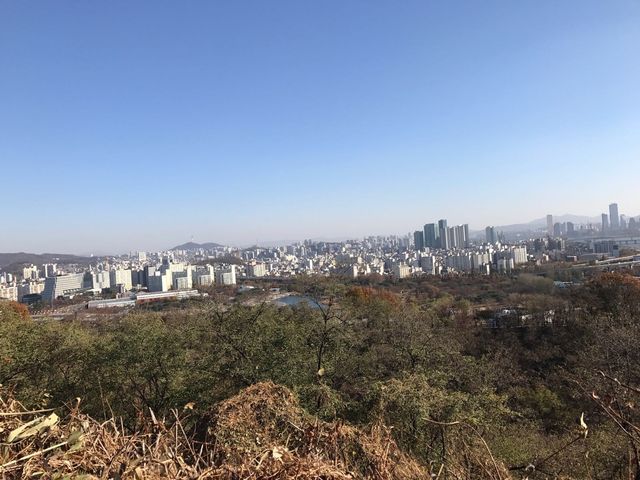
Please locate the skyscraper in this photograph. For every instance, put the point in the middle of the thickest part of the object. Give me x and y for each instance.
(550, 224)
(452, 234)
(444, 238)
(605, 222)
(490, 235)
(431, 235)
(614, 217)
(459, 236)
(418, 240)
(557, 229)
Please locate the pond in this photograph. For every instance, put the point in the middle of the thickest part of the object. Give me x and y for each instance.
(294, 300)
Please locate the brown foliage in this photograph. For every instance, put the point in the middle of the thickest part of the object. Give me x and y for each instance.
(260, 433)
(15, 308)
(614, 293)
(266, 415)
(369, 294)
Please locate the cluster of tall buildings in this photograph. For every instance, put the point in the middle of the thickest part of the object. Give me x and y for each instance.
(441, 249)
(440, 235)
(614, 222)
(558, 229)
(611, 224)
(483, 260)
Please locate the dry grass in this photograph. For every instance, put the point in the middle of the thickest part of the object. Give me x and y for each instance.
(260, 433)
(81, 447)
(269, 415)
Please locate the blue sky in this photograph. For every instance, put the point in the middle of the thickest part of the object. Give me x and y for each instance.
(135, 125)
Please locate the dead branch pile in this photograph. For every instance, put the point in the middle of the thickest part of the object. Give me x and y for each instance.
(265, 420)
(260, 433)
(39, 444)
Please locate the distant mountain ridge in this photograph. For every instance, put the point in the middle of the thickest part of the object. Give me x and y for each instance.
(196, 246)
(15, 259)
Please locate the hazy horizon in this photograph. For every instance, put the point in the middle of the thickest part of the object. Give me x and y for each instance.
(135, 126)
(85, 251)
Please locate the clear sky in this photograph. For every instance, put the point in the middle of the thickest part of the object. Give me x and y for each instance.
(135, 125)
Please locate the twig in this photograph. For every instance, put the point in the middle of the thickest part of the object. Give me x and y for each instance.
(445, 424)
(35, 454)
(472, 428)
(613, 379)
(17, 414)
(495, 465)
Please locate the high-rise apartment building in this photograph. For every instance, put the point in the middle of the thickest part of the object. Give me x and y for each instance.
(614, 216)
(30, 288)
(431, 235)
(451, 237)
(121, 277)
(400, 270)
(444, 234)
(428, 264)
(226, 276)
(461, 234)
(456, 237)
(557, 229)
(490, 235)
(101, 280)
(9, 292)
(30, 273)
(49, 269)
(256, 269)
(158, 281)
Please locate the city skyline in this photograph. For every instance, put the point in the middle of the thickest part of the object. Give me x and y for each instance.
(435, 248)
(137, 126)
(535, 227)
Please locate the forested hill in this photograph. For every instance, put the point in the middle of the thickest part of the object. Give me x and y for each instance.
(475, 377)
(196, 246)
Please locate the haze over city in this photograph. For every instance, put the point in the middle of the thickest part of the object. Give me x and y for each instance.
(135, 126)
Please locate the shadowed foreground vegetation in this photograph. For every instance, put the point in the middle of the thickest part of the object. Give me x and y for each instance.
(380, 382)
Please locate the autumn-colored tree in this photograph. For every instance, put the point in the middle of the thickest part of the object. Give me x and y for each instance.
(14, 310)
(614, 294)
(368, 294)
